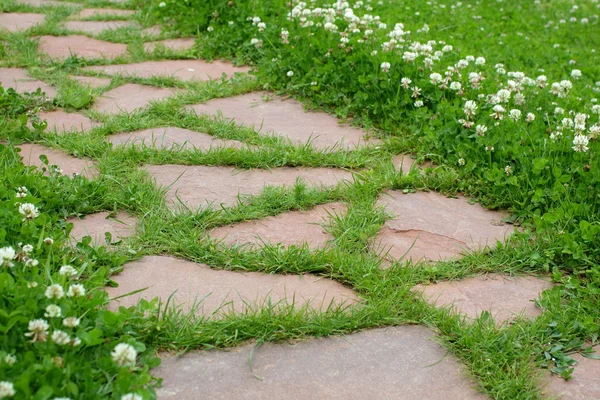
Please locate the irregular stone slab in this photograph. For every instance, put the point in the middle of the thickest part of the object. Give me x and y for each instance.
(585, 384)
(62, 47)
(97, 27)
(120, 226)
(172, 44)
(94, 12)
(284, 117)
(20, 80)
(69, 165)
(186, 70)
(61, 122)
(290, 228)
(92, 81)
(48, 3)
(223, 291)
(16, 22)
(197, 186)
(171, 138)
(130, 97)
(152, 31)
(442, 227)
(401, 363)
(503, 296)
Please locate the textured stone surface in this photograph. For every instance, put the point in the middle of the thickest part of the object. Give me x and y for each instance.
(171, 138)
(400, 363)
(16, 22)
(92, 81)
(152, 31)
(30, 154)
(62, 122)
(442, 227)
(206, 185)
(503, 296)
(222, 291)
(290, 228)
(284, 117)
(585, 384)
(20, 80)
(120, 226)
(186, 70)
(96, 27)
(130, 97)
(64, 46)
(94, 12)
(48, 3)
(173, 44)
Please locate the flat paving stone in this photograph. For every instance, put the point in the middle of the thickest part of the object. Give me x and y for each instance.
(92, 81)
(97, 27)
(212, 186)
(186, 70)
(130, 97)
(290, 228)
(437, 227)
(19, 80)
(62, 47)
(94, 12)
(172, 44)
(61, 122)
(30, 155)
(152, 31)
(585, 384)
(48, 3)
(16, 22)
(120, 226)
(285, 117)
(171, 138)
(503, 296)
(402, 363)
(222, 291)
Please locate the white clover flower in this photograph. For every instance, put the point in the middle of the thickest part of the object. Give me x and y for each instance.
(508, 170)
(461, 162)
(29, 211)
(53, 311)
(418, 103)
(162, 4)
(580, 143)
(71, 322)
(131, 396)
(31, 285)
(10, 359)
(596, 109)
(61, 338)
(21, 192)
(435, 78)
(447, 48)
(470, 58)
(28, 248)
(31, 263)
(559, 110)
(210, 29)
(489, 148)
(38, 330)
(261, 26)
(503, 95)
(455, 86)
(405, 82)
(480, 61)
(385, 67)
(576, 74)
(530, 117)
(256, 42)
(594, 131)
(124, 355)
(314, 83)
(54, 291)
(76, 290)
(67, 270)
(374, 53)
(7, 254)
(515, 114)
(480, 130)
(6, 389)
(75, 342)
(542, 81)
(498, 112)
(470, 108)
(48, 241)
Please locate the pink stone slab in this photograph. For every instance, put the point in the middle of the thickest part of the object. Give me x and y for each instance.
(94, 12)
(442, 227)
(171, 138)
(120, 226)
(291, 228)
(152, 31)
(186, 70)
(285, 117)
(201, 186)
(222, 291)
(130, 97)
(20, 80)
(585, 384)
(48, 3)
(503, 296)
(398, 363)
(97, 27)
(30, 155)
(16, 22)
(62, 122)
(171, 44)
(92, 81)
(62, 47)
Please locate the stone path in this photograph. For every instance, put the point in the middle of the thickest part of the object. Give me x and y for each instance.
(585, 384)
(92, 81)
(61, 122)
(171, 44)
(61, 47)
(120, 226)
(22, 82)
(171, 138)
(16, 22)
(130, 97)
(68, 165)
(97, 27)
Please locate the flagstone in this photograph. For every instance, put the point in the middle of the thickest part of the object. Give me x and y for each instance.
(505, 297)
(60, 121)
(290, 228)
(97, 27)
(69, 165)
(186, 70)
(201, 186)
(94, 12)
(585, 384)
(19, 80)
(172, 44)
(92, 81)
(62, 47)
(403, 363)
(272, 114)
(16, 22)
(171, 138)
(130, 97)
(431, 227)
(120, 226)
(219, 291)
